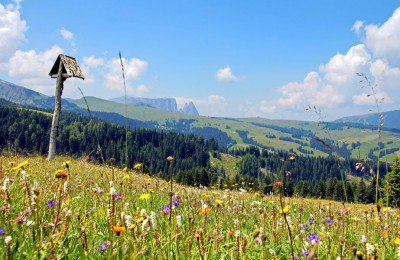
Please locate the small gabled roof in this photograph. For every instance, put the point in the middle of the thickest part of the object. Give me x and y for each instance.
(70, 67)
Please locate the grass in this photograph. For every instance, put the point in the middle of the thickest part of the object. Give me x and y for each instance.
(99, 211)
(228, 162)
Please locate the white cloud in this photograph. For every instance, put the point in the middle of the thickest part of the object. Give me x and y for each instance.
(341, 69)
(133, 70)
(357, 26)
(92, 61)
(67, 35)
(215, 99)
(32, 68)
(384, 40)
(142, 89)
(12, 30)
(368, 99)
(384, 75)
(225, 74)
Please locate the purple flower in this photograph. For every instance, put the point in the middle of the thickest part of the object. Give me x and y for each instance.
(329, 220)
(51, 203)
(306, 253)
(165, 209)
(313, 238)
(2, 232)
(103, 247)
(175, 203)
(118, 197)
(311, 221)
(306, 227)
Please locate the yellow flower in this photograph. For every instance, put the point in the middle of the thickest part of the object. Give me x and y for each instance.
(66, 164)
(11, 163)
(137, 166)
(377, 220)
(196, 235)
(20, 166)
(218, 202)
(126, 176)
(285, 210)
(140, 220)
(170, 158)
(125, 169)
(150, 190)
(118, 229)
(397, 241)
(144, 196)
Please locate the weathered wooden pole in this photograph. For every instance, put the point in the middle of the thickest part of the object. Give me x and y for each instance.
(64, 67)
(56, 114)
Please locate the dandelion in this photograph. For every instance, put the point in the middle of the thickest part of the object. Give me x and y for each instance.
(170, 158)
(137, 166)
(20, 166)
(285, 210)
(397, 241)
(144, 196)
(218, 202)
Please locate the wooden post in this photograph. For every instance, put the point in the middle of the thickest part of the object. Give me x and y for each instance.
(56, 114)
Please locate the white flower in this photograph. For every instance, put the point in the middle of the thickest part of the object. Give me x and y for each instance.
(370, 249)
(271, 251)
(261, 230)
(29, 223)
(24, 175)
(179, 220)
(144, 224)
(126, 206)
(363, 239)
(143, 212)
(153, 219)
(128, 221)
(237, 233)
(112, 189)
(65, 187)
(7, 239)
(5, 183)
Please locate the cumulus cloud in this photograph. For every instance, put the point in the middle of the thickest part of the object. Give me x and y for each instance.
(142, 89)
(225, 74)
(67, 35)
(12, 30)
(384, 40)
(92, 61)
(31, 68)
(357, 26)
(134, 68)
(368, 99)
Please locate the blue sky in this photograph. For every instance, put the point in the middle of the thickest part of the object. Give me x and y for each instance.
(232, 58)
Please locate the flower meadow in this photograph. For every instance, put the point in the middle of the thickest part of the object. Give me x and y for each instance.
(69, 208)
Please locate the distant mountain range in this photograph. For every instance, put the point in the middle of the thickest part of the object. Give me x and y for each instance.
(167, 104)
(348, 136)
(391, 119)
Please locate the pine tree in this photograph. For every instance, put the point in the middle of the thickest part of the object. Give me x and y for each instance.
(393, 179)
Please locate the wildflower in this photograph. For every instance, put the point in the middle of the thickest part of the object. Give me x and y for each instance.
(170, 158)
(218, 202)
(29, 223)
(313, 239)
(179, 220)
(230, 233)
(143, 212)
(363, 239)
(306, 253)
(5, 184)
(7, 239)
(103, 246)
(2, 233)
(397, 241)
(20, 166)
(196, 235)
(51, 203)
(126, 176)
(370, 249)
(128, 221)
(66, 164)
(311, 221)
(144, 223)
(144, 196)
(175, 203)
(285, 210)
(271, 251)
(306, 227)
(378, 207)
(118, 230)
(118, 197)
(204, 211)
(153, 219)
(165, 210)
(237, 233)
(137, 166)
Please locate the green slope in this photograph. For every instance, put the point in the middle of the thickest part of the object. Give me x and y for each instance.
(289, 135)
